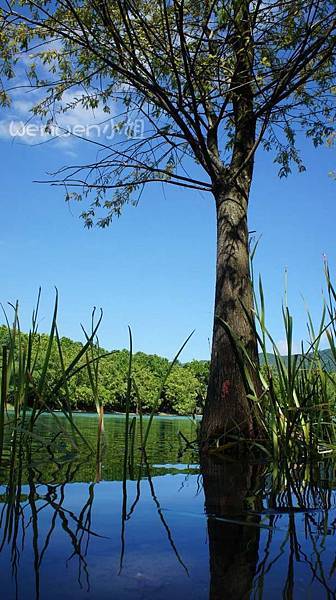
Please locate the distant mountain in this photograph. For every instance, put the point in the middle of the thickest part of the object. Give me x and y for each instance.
(328, 360)
(325, 355)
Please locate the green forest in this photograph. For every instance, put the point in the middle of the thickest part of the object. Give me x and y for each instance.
(183, 393)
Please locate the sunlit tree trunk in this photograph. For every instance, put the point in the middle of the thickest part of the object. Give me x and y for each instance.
(227, 409)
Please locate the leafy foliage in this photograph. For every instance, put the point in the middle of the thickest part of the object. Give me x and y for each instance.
(197, 75)
(183, 393)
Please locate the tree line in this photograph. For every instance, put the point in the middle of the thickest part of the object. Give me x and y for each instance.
(183, 393)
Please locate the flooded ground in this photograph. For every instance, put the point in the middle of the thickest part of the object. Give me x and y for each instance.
(72, 528)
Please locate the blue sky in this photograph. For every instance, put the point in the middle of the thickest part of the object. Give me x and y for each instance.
(154, 267)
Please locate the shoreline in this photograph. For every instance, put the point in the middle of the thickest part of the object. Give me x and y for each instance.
(112, 413)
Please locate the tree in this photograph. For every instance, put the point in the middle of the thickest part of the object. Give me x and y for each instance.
(212, 80)
(181, 391)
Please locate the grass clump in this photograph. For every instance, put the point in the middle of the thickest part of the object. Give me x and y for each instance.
(29, 390)
(32, 386)
(293, 396)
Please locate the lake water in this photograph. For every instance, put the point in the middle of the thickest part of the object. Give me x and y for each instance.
(74, 529)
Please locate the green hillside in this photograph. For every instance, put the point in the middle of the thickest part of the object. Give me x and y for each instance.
(325, 355)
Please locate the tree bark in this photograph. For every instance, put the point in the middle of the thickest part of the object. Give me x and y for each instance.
(227, 410)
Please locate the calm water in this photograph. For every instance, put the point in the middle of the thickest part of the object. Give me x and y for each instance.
(71, 529)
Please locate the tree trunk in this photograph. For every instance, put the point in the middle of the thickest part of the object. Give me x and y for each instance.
(227, 409)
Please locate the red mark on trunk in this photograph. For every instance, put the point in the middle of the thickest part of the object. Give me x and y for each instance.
(225, 388)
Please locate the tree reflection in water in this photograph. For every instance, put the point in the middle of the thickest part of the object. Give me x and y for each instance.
(260, 522)
(241, 501)
(233, 533)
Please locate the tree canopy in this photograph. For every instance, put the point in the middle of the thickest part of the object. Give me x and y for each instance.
(179, 66)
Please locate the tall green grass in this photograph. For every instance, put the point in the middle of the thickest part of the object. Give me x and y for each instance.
(293, 396)
(27, 390)
(93, 357)
(132, 388)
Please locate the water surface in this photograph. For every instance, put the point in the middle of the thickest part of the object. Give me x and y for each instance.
(72, 528)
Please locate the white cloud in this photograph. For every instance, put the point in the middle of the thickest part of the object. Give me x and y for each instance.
(67, 126)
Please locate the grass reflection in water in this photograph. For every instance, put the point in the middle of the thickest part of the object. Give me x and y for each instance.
(73, 529)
